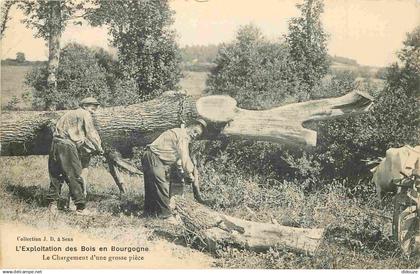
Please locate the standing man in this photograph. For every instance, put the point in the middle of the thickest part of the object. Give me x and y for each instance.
(75, 139)
(167, 150)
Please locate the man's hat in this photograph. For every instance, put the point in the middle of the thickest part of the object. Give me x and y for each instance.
(201, 122)
(89, 101)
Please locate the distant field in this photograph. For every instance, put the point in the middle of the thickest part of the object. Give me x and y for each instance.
(13, 78)
(12, 83)
(194, 82)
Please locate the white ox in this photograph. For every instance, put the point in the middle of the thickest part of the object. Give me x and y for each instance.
(405, 159)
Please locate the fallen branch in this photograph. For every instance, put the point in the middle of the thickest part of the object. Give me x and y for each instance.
(217, 230)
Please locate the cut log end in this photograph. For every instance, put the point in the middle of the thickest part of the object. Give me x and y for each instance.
(217, 108)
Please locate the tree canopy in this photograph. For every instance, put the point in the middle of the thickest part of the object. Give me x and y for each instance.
(147, 51)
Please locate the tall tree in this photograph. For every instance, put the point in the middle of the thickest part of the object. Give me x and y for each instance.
(49, 19)
(147, 51)
(254, 70)
(5, 7)
(307, 43)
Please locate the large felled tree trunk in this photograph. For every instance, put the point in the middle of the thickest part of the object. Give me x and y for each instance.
(121, 128)
(29, 132)
(5, 7)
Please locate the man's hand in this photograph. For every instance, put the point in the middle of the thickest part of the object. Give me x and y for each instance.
(196, 189)
(100, 151)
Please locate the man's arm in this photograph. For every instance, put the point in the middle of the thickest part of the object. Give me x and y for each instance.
(92, 134)
(191, 171)
(184, 153)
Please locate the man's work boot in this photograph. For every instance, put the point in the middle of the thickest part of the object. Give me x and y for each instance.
(53, 207)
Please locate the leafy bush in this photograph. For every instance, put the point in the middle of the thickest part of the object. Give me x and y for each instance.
(147, 51)
(393, 121)
(82, 72)
(256, 72)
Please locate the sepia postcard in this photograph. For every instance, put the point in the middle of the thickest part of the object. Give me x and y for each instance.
(210, 134)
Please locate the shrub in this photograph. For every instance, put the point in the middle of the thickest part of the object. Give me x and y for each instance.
(147, 50)
(254, 71)
(82, 72)
(307, 44)
(79, 75)
(393, 121)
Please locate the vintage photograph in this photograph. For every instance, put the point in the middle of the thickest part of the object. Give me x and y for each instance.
(210, 134)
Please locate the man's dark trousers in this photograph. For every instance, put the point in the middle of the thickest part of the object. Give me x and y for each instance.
(156, 186)
(64, 165)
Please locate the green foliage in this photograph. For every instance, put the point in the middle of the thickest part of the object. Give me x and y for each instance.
(393, 121)
(147, 52)
(82, 72)
(38, 15)
(306, 41)
(343, 60)
(254, 71)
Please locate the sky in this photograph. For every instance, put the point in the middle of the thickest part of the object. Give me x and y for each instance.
(369, 31)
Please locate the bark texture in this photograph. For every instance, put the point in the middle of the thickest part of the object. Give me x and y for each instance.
(123, 127)
(55, 30)
(30, 132)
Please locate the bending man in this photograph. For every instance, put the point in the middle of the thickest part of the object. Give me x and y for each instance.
(168, 149)
(75, 139)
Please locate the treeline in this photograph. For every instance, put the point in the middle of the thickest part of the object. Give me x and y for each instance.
(14, 62)
(203, 57)
(343, 60)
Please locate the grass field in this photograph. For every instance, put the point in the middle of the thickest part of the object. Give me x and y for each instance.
(24, 182)
(12, 84)
(194, 82)
(357, 234)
